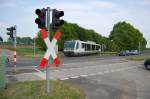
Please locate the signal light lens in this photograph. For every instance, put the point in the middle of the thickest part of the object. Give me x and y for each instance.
(37, 21)
(61, 13)
(8, 29)
(38, 12)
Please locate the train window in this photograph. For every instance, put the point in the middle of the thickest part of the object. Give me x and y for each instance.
(83, 45)
(97, 47)
(93, 47)
(69, 44)
(88, 47)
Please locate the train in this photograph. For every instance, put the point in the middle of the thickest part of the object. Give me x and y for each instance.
(78, 48)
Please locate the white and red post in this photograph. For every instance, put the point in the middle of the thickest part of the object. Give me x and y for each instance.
(15, 53)
(15, 59)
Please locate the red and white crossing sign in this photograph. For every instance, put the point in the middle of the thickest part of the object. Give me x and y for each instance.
(50, 48)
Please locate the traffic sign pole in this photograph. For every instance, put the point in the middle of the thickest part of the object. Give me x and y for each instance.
(47, 67)
(50, 56)
(15, 56)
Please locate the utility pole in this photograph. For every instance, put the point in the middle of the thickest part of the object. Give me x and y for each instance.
(139, 48)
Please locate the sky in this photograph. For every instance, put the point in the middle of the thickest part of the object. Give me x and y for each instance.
(99, 15)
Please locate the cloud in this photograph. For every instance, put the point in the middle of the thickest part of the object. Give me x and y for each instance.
(146, 2)
(7, 3)
(103, 22)
(99, 15)
(143, 2)
(85, 6)
(102, 4)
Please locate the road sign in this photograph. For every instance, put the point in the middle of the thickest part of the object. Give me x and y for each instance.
(51, 49)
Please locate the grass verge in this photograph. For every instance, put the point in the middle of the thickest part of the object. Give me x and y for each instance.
(29, 53)
(36, 90)
(138, 58)
(108, 53)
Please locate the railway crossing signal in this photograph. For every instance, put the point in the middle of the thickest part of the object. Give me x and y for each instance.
(56, 21)
(50, 50)
(11, 32)
(41, 20)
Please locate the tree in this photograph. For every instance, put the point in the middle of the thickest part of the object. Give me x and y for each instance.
(24, 40)
(72, 31)
(126, 37)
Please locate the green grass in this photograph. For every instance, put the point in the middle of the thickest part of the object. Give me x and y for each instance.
(36, 90)
(108, 53)
(138, 58)
(29, 53)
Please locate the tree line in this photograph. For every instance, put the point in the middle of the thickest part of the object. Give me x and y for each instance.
(22, 40)
(123, 36)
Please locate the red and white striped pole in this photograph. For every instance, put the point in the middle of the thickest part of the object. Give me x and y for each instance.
(15, 59)
(15, 53)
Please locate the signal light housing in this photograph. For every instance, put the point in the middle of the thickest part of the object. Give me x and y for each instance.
(11, 32)
(56, 21)
(41, 21)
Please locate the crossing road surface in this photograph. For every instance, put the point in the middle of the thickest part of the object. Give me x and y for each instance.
(65, 61)
(100, 78)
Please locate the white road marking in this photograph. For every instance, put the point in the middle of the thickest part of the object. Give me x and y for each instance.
(92, 74)
(41, 75)
(76, 63)
(28, 73)
(68, 76)
(56, 70)
(64, 78)
(83, 75)
(100, 73)
(106, 71)
(75, 77)
(112, 70)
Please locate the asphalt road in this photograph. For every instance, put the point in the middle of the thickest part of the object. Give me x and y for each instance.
(129, 83)
(65, 61)
(99, 77)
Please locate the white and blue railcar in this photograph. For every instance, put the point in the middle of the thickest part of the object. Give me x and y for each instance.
(77, 47)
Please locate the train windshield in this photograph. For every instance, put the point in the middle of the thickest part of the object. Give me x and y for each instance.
(70, 44)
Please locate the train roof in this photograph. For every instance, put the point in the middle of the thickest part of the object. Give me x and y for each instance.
(87, 42)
